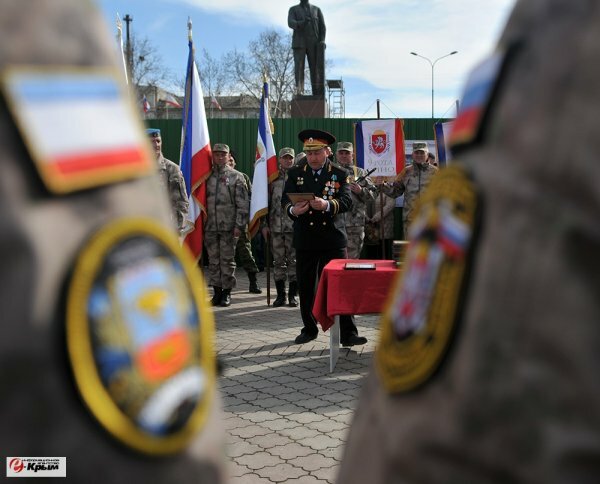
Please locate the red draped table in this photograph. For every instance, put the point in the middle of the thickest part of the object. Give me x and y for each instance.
(350, 291)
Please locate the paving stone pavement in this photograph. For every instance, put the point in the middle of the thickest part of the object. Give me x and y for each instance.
(286, 416)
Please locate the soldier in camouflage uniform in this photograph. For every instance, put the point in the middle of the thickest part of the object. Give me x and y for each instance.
(227, 208)
(515, 397)
(281, 232)
(243, 249)
(361, 193)
(411, 182)
(45, 239)
(172, 180)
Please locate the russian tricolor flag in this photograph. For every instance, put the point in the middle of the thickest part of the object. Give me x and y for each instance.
(196, 155)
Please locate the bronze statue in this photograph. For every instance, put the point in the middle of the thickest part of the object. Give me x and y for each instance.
(308, 41)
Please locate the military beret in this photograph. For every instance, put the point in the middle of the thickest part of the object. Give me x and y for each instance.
(315, 139)
(420, 146)
(221, 147)
(345, 146)
(287, 152)
(153, 132)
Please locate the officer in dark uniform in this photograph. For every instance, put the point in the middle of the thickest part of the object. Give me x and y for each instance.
(319, 232)
(102, 357)
(487, 366)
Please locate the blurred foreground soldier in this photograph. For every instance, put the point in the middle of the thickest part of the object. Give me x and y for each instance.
(412, 182)
(281, 231)
(227, 208)
(243, 248)
(492, 376)
(172, 180)
(319, 232)
(105, 350)
(362, 191)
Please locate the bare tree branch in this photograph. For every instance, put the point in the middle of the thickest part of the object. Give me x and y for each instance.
(271, 54)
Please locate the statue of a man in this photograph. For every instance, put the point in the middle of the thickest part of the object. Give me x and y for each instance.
(308, 41)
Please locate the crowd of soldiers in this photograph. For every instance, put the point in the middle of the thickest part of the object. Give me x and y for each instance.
(228, 198)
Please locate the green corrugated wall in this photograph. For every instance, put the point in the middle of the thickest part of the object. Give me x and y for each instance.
(240, 134)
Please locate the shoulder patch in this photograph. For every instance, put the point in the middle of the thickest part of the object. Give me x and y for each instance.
(423, 309)
(78, 125)
(139, 336)
(480, 89)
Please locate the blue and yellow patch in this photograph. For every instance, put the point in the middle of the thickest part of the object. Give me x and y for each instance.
(139, 336)
(423, 309)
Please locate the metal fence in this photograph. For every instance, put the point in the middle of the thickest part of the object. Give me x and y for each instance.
(241, 134)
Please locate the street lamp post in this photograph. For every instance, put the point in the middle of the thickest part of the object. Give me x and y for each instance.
(432, 64)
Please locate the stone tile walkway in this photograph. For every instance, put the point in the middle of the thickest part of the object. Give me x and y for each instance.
(286, 416)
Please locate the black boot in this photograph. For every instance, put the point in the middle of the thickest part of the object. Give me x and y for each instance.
(293, 300)
(254, 287)
(280, 299)
(226, 298)
(216, 299)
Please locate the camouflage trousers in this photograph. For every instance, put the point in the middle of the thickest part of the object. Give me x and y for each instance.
(284, 257)
(243, 253)
(221, 259)
(356, 236)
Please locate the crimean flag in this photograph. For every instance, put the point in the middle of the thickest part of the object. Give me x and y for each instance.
(380, 146)
(215, 103)
(196, 153)
(265, 166)
(169, 99)
(478, 91)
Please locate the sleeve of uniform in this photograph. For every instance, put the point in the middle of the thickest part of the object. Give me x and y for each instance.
(242, 203)
(368, 190)
(178, 194)
(290, 187)
(397, 187)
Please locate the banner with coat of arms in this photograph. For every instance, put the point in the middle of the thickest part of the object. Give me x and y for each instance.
(380, 146)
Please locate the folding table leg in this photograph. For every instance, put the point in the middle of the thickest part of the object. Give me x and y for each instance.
(334, 343)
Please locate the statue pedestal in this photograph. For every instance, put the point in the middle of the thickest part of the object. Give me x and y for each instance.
(309, 107)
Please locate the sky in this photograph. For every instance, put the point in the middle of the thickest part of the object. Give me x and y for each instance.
(368, 43)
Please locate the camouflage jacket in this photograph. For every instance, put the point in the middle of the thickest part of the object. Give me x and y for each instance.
(172, 179)
(279, 221)
(227, 202)
(410, 182)
(356, 216)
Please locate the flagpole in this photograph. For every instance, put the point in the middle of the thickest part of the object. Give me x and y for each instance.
(268, 241)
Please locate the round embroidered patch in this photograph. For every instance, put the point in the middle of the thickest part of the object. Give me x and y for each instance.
(423, 308)
(139, 336)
